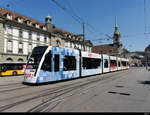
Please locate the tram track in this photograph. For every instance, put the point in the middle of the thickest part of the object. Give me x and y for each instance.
(11, 87)
(44, 106)
(57, 92)
(6, 85)
(14, 86)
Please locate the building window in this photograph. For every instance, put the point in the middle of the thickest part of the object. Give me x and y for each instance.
(30, 48)
(38, 37)
(28, 22)
(9, 46)
(58, 43)
(70, 44)
(44, 28)
(45, 39)
(9, 60)
(20, 33)
(66, 43)
(9, 16)
(30, 35)
(9, 30)
(20, 47)
(36, 25)
(19, 19)
(20, 60)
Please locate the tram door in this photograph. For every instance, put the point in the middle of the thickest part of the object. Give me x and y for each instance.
(56, 67)
(56, 63)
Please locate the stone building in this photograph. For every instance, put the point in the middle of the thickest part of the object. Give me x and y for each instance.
(111, 49)
(20, 34)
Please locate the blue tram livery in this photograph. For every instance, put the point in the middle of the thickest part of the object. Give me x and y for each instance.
(51, 63)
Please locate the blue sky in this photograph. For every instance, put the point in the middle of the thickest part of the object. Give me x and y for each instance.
(100, 14)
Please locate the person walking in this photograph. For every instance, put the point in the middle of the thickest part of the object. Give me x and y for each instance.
(146, 66)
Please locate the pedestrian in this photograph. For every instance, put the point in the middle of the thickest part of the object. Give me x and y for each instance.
(146, 66)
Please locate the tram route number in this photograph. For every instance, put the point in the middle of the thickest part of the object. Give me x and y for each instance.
(28, 75)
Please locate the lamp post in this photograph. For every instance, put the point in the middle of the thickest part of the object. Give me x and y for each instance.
(146, 58)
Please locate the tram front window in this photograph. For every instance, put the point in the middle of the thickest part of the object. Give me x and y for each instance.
(36, 56)
(34, 61)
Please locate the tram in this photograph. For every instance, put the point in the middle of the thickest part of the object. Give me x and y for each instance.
(51, 63)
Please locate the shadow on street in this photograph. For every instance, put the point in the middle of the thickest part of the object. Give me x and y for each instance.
(144, 82)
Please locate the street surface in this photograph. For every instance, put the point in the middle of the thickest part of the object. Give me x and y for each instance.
(123, 91)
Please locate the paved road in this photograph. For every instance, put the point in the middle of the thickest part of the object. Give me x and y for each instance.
(123, 91)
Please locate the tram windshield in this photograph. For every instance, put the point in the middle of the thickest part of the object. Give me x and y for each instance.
(35, 57)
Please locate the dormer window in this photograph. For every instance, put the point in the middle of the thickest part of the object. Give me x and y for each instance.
(28, 22)
(36, 25)
(19, 19)
(72, 37)
(68, 36)
(43, 27)
(9, 16)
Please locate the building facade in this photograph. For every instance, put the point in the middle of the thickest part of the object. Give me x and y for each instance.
(20, 34)
(111, 49)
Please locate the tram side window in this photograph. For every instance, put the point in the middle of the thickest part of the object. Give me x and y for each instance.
(123, 63)
(91, 63)
(119, 64)
(69, 63)
(113, 63)
(56, 60)
(47, 63)
(105, 63)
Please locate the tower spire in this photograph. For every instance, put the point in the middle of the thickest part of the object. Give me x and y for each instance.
(116, 39)
(116, 25)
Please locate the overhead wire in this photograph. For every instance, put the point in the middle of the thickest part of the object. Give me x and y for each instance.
(77, 18)
(95, 34)
(67, 11)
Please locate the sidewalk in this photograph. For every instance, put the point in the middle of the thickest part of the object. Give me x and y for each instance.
(11, 79)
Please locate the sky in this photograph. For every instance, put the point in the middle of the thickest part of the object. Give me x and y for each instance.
(98, 15)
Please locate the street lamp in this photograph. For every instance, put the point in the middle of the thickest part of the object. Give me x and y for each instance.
(146, 58)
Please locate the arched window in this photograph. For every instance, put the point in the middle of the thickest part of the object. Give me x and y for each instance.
(20, 60)
(9, 60)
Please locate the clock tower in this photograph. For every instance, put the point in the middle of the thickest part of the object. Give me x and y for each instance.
(116, 39)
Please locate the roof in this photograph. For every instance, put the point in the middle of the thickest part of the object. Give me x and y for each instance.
(15, 15)
(105, 49)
